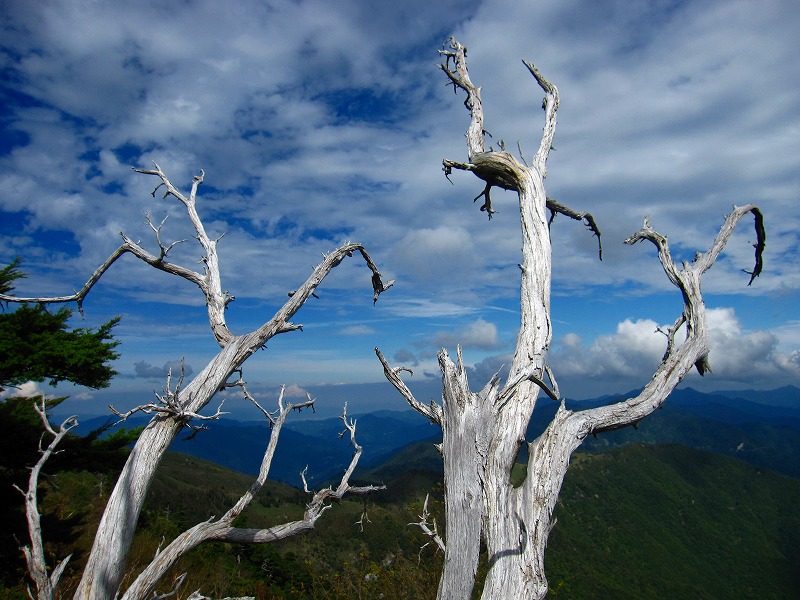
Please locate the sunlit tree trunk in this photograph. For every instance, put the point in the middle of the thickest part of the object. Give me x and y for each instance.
(483, 432)
(179, 407)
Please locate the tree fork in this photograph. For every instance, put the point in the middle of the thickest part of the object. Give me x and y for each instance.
(483, 432)
(105, 568)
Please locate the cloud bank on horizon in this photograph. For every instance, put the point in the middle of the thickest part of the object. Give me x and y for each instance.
(318, 123)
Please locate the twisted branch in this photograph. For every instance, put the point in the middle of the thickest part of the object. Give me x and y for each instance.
(429, 529)
(693, 352)
(222, 530)
(432, 411)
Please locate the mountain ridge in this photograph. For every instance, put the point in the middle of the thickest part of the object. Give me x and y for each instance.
(763, 433)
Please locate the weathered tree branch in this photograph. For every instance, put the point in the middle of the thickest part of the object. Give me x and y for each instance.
(79, 296)
(550, 105)
(222, 529)
(175, 409)
(209, 283)
(693, 352)
(156, 437)
(34, 553)
(169, 406)
(558, 208)
(432, 411)
(459, 78)
(429, 529)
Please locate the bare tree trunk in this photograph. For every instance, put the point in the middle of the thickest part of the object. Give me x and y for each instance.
(461, 428)
(483, 432)
(178, 407)
(34, 553)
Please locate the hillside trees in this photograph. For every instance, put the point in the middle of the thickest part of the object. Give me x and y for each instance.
(483, 431)
(177, 408)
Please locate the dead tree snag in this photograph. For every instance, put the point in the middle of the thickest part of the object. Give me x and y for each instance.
(484, 431)
(179, 407)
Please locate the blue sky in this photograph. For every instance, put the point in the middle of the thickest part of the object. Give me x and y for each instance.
(318, 123)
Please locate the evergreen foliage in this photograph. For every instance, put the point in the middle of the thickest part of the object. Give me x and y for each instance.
(36, 345)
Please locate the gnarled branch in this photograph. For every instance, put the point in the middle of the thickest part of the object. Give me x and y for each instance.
(558, 208)
(34, 553)
(222, 529)
(429, 528)
(78, 296)
(432, 411)
(693, 352)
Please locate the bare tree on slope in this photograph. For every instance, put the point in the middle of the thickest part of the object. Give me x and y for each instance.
(178, 408)
(484, 431)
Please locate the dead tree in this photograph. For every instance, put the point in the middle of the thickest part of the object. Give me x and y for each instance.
(483, 431)
(178, 408)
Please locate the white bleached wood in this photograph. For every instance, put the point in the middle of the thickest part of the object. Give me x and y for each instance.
(34, 553)
(222, 529)
(483, 432)
(106, 564)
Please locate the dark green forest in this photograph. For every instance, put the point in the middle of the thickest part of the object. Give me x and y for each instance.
(636, 521)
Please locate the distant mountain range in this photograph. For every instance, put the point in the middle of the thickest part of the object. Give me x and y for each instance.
(754, 426)
(760, 427)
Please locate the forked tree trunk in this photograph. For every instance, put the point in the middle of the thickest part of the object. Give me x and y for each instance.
(107, 561)
(176, 409)
(483, 432)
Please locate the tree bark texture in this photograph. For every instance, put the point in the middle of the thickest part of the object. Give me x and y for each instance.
(483, 432)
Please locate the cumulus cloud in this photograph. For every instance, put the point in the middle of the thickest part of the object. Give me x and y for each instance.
(629, 356)
(148, 371)
(24, 390)
(630, 350)
(740, 355)
(478, 334)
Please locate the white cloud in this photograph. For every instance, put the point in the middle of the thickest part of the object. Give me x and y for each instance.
(477, 334)
(632, 353)
(740, 355)
(24, 390)
(633, 349)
